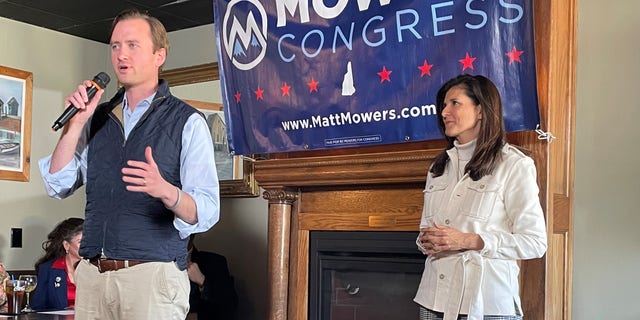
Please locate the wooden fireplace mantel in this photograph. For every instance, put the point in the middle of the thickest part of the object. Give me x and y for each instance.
(374, 168)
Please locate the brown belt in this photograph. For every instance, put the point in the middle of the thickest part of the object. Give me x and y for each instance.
(105, 265)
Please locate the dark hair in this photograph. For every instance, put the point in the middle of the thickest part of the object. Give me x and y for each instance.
(53, 247)
(159, 35)
(492, 134)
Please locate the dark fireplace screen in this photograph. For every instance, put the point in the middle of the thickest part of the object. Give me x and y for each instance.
(357, 275)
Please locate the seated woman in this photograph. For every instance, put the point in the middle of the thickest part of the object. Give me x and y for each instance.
(56, 288)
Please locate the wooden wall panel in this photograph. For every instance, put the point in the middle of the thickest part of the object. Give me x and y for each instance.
(390, 209)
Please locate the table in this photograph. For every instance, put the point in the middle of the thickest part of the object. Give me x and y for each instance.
(36, 316)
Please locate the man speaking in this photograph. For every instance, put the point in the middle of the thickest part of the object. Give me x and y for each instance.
(147, 162)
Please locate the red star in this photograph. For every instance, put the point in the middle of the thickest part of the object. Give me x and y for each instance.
(259, 93)
(425, 68)
(285, 89)
(514, 55)
(313, 85)
(467, 62)
(384, 74)
(237, 95)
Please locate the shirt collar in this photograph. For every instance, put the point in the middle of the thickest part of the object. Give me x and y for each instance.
(59, 263)
(465, 151)
(144, 103)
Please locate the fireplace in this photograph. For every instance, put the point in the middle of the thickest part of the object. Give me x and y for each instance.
(373, 198)
(356, 275)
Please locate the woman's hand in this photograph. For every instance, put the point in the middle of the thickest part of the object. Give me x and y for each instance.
(195, 275)
(443, 238)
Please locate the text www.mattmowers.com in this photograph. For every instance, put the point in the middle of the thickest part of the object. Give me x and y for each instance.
(355, 118)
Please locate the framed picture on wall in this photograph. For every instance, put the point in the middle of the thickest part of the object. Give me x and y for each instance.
(16, 90)
(235, 173)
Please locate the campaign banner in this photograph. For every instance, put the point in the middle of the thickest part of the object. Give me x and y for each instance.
(320, 74)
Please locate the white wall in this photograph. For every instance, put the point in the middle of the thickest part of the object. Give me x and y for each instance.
(241, 236)
(607, 173)
(190, 47)
(58, 62)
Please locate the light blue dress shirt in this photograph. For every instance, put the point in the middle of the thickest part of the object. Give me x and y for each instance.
(197, 168)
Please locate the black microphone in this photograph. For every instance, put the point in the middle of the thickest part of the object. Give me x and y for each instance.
(100, 81)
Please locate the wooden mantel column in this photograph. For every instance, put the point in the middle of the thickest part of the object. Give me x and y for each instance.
(280, 202)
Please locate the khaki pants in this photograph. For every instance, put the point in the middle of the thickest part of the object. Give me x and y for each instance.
(153, 290)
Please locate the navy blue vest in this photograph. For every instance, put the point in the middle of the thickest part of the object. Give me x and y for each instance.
(133, 225)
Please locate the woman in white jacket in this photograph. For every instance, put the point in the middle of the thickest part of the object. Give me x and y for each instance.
(481, 210)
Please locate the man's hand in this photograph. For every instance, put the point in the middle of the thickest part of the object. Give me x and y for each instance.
(144, 176)
(80, 100)
(141, 176)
